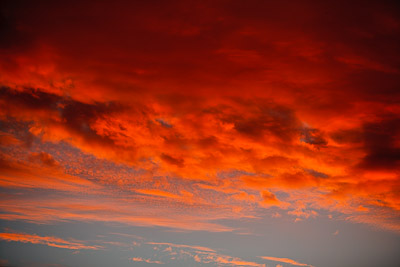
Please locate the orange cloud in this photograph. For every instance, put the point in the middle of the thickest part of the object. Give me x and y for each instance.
(254, 110)
(285, 260)
(46, 240)
(206, 255)
(131, 212)
(155, 192)
(220, 259)
(46, 174)
(8, 139)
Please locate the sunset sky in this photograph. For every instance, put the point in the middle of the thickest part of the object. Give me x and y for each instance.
(218, 133)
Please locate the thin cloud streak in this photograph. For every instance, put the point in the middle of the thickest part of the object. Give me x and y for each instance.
(137, 259)
(285, 260)
(183, 246)
(50, 241)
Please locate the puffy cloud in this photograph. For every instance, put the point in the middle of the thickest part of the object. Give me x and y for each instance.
(211, 106)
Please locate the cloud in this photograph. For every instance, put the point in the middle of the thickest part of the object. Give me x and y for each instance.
(269, 199)
(382, 219)
(226, 260)
(300, 211)
(8, 140)
(214, 124)
(44, 158)
(183, 246)
(312, 137)
(46, 175)
(47, 240)
(171, 160)
(199, 116)
(206, 255)
(155, 192)
(51, 207)
(277, 121)
(58, 118)
(380, 144)
(285, 260)
(147, 260)
(316, 174)
(336, 232)
(164, 123)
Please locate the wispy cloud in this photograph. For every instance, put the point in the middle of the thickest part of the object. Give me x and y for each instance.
(50, 241)
(147, 260)
(183, 246)
(205, 255)
(285, 260)
(336, 232)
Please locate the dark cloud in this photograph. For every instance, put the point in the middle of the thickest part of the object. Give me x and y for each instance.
(208, 142)
(312, 136)
(263, 120)
(381, 144)
(164, 123)
(13, 37)
(316, 174)
(348, 136)
(32, 99)
(79, 117)
(172, 160)
(51, 109)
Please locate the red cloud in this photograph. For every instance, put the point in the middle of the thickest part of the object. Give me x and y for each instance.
(298, 104)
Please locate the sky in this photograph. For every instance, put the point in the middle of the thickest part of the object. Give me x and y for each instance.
(200, 133)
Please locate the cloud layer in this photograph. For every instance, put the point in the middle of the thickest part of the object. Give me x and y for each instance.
(189, 115)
